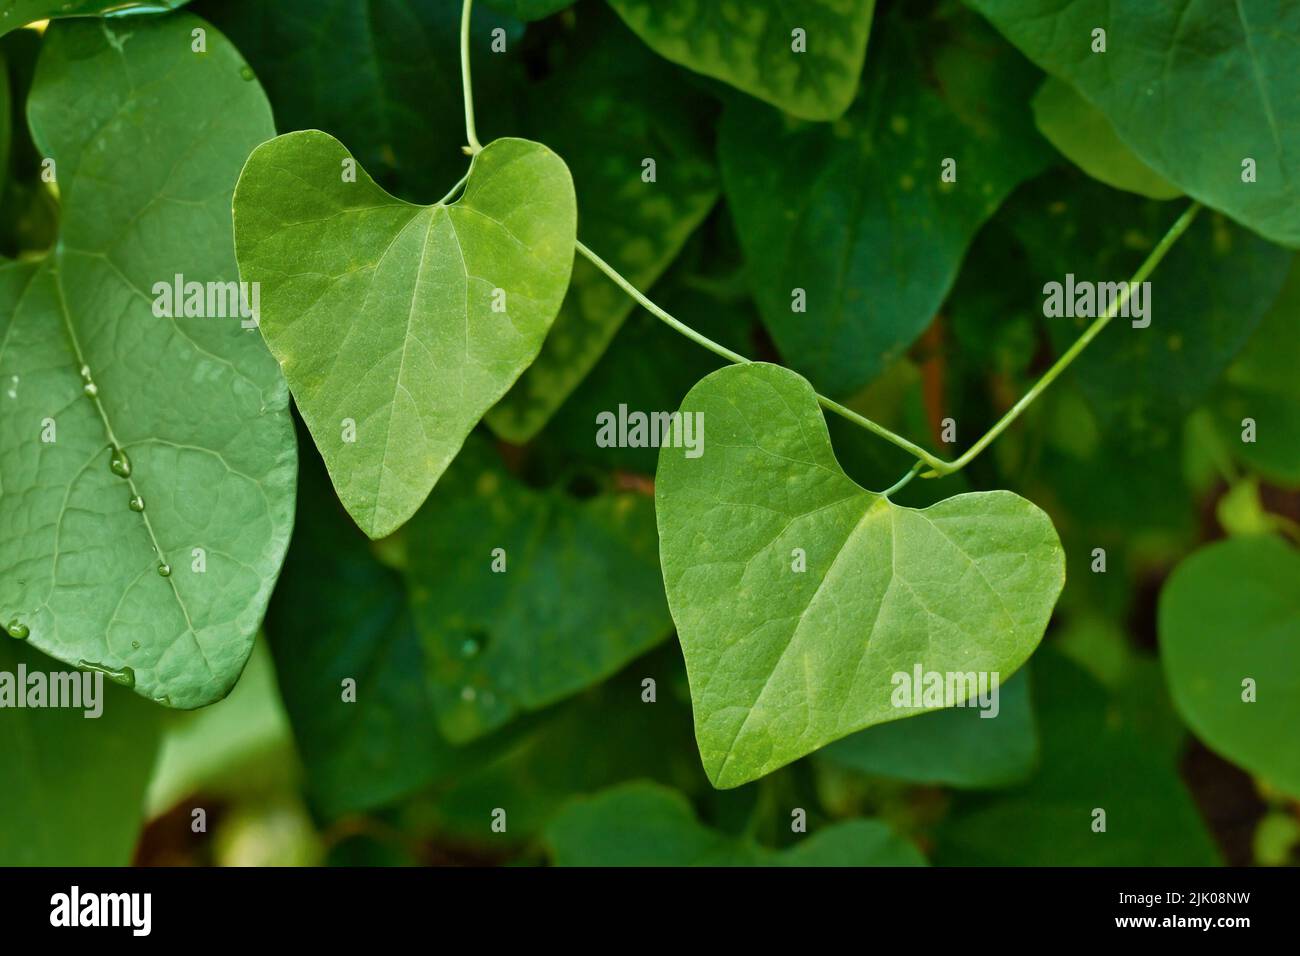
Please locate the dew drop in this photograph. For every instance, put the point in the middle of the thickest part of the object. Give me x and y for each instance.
(136, 503)
(124, 676)
(135, 645)
(164, 570)
(91, 389)
(120, 464)
(18, 630)
(85, 373)
(247, 72)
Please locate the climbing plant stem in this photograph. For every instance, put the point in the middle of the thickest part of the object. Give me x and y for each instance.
(937, 466)
(470, 132)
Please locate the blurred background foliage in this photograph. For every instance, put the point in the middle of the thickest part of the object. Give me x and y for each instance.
(474, 697)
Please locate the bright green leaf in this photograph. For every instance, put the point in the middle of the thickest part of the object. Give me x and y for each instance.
(852, 236)
(523, 597)
(1194, 89)
(74, 786)
(755, 46)
(1230, 644)
(611, 109)
(1082, 132)
(646, 824)
(196, 405)
(956, 747)
(382, 76)
(396, 325)
(783, 662)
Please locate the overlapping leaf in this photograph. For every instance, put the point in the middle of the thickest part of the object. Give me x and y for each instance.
(19, 13)
(396, 325)
(852, 235)
(1230, 645)
(1194, 89)
(74, 786)
(146, 463)
(1082, 132)
(523, 597)
(645, 824)
(755, 46)
(783, 661)
(610, 110)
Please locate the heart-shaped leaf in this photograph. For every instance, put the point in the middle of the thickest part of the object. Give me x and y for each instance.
(399, 325)
(1230, 646)
(781, 660)
(147, 463)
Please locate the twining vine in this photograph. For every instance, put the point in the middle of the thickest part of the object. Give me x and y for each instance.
(928, 465)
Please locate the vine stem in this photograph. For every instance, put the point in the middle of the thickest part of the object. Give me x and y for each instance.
(470, 132)
(937, 466)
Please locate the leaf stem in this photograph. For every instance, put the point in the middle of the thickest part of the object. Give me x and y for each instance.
(902, 482)
(938, 467)
(470, 132)
(1061, 364)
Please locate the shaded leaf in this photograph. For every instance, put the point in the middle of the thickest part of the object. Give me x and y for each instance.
(857, 216)
(1262, 385)
(610, 109)
(74, 786)
(1084, 135)
(957, 747)
(1230, 614)
(1166, 69)
(753, 46)
(783, 662)
(382, 76)
(1100, 752)
(398, 325)
(196, 404)
(646, 824)
(575, 596)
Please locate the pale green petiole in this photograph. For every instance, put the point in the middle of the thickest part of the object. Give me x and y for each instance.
(937, 466)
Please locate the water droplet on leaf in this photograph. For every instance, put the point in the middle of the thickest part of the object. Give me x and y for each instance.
(91, 389)
(136, 503)
(124, 676)
(120, 464)
(164, 570)
(18, 630)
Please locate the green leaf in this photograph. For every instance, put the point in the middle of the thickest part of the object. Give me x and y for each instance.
(645, 824)
(604, 736)
(754, 46)
(613, 106)
(338, 615)
(530, 9)
(572, 595)
(1169, 66)
(1206, 298)
(1101, 752)
(74, 786)
(1084, 135)
(856, 216)
(396, 325)
(1262, 385)
(380, 75)
(1230, 614)
(196, 404)
(956, 747)
(238, 746)
(782, 662)
(19, 13)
